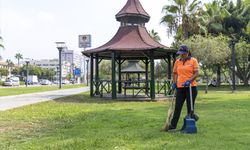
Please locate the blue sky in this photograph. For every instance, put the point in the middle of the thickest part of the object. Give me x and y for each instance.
(31, 27)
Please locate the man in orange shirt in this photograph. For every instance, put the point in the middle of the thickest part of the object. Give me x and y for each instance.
(184, 73)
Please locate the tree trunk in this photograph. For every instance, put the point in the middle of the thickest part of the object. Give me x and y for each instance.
(218, 75)
(206, 89)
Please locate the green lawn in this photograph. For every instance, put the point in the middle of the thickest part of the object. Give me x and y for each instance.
(33, 89)
(78, 122)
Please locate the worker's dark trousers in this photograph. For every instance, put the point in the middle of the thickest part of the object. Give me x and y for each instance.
(181, 96)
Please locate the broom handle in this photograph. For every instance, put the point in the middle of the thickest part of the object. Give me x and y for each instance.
(191, 99)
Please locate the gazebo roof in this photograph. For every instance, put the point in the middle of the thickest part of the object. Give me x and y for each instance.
(133, 67)
(131, 42)
(133, 8)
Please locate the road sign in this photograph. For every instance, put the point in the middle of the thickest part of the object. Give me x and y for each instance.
(77, 72)
(84, 41)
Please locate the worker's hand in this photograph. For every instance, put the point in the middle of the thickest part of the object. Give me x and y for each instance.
(187, 83)
(174, 86)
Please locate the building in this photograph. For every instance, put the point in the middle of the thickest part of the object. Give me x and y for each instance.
(70, 61)
(46, 63)
(3, 64)
(76, 60)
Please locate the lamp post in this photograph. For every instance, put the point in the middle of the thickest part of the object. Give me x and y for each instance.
(27, 72)
(57, 75)
(87, 77)
(60, 47)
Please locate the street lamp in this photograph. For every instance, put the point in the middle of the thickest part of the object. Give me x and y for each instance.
(57, 75)
(27, 72)
(87, 77)
(60, 47)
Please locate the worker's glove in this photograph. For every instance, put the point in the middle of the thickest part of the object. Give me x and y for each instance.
(187, 83)
(174, 86)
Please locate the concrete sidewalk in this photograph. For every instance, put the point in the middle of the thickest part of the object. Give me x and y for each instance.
(9, 102)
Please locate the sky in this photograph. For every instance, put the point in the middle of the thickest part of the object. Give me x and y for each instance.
(31, 27)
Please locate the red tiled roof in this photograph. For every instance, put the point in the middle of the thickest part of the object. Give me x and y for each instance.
(129, 38)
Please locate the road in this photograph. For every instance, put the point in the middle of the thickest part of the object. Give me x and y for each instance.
(9, 102)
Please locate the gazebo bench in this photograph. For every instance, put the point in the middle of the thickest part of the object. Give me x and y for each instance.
(133, 88)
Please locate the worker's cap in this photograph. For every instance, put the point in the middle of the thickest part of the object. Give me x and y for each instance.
(183, 49)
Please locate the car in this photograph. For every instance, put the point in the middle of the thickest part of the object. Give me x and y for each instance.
(55, 82)
(45, 82)
(13, 81)
(65, 82)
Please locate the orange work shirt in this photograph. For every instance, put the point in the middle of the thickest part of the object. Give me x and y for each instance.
(185, 71)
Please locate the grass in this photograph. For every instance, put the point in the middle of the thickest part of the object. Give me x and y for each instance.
(34, 89)
(78, 122)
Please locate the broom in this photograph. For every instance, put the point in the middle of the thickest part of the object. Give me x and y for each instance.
(170, 112)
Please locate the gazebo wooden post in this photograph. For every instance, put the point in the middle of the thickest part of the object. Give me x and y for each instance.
(113, 75)
(119, 76)
(174, 58)
(169, 67)
(97, 74)
(152, 82)
(91, 75)
(146, 74)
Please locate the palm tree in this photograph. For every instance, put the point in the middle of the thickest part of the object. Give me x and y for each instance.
(10, 64)
(181, 16)
(1, 45)
(214, 15)
(18, 56)
(236, 26)
(155, 35)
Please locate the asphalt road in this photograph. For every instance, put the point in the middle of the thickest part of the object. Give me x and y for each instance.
(9, 102)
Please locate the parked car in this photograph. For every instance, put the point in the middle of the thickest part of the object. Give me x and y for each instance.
(45, 82)
(13, 81)
(55, 82)
(65, 82)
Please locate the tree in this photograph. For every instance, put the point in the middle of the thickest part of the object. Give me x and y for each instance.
(181, 17)
(210, 51)
(236, 27)
(246, 2)
(214, 15)
(1, 45)
(1, 42)
(243, 61)
(3, 72)
(18, 56)
(155, 35)
(105, 69)
(10, 65)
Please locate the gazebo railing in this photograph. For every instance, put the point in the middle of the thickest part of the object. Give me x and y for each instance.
(163, 87)
(102, 86)
(132, 87)
(136, 87)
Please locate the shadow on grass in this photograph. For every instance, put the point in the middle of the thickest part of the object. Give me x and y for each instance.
(224, 88)
(85, 98)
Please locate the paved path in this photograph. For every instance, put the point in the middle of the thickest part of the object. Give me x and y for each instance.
(9, 102)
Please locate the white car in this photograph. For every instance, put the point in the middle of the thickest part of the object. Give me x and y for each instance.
(45, 82)
(65, 82)
(12, 82)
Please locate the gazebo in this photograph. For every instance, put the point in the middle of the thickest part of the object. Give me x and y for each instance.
(131, 42)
